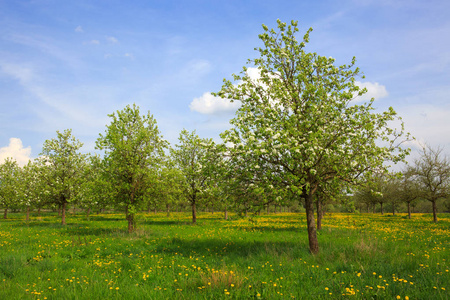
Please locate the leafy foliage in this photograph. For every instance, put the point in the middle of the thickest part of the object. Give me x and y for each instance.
(134, 150)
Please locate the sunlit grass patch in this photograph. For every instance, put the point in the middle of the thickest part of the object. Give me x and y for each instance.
(362, 256)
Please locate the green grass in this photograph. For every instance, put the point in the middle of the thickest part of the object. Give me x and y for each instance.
(363, 256)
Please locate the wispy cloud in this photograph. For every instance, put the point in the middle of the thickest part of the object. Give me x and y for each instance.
(79, 29)
(47, 46)
(19, 72)
(93, 42)
(112, 39)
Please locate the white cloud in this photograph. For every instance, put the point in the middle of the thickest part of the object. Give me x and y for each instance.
(374, 90)
(129, 55)
(112, 39)
(16, 151)
(208, 104)
(79, 29)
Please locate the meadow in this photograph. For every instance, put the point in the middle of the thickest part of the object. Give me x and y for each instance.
(362, 256)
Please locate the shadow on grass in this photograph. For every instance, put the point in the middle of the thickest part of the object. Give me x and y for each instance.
(233, 249)
(273, 228)
(166, 222)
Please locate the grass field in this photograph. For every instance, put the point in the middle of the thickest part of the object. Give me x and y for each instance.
(363, 256)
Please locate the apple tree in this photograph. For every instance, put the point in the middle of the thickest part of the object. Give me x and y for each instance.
(134, 150)
(298, 118)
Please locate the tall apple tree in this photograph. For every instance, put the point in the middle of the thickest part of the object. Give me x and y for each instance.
(297, 117)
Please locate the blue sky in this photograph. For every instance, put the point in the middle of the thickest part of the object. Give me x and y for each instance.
(68, 64)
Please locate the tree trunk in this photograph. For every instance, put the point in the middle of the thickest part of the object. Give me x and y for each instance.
(226, 213)
(393, 209)
(268, 208)
(74, 209)
(319, 214)
(39, 212)
(63, 213)
(155, 211)
(381, 207)
(312, 233)
(5, 214)
(59, 210)
(28, 214)
(168, 210)
(194, 209)
(434, 211)
(88, 212)
(131, 224)
(409, 210)
(194, 213)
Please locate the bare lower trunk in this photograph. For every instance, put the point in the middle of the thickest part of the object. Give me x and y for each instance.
(381, 208)
(312, 233)
(319, 214)
(155, 211)
(168, 210)
(409, 210)
(131, 223)
(434, 211)
(39, 212)
(73, 212)
(28, 214)
(268, 209)
(226, 214)
(194, 213)
(63, 214)
(88, 212)
(393, 210)
(5, 214)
